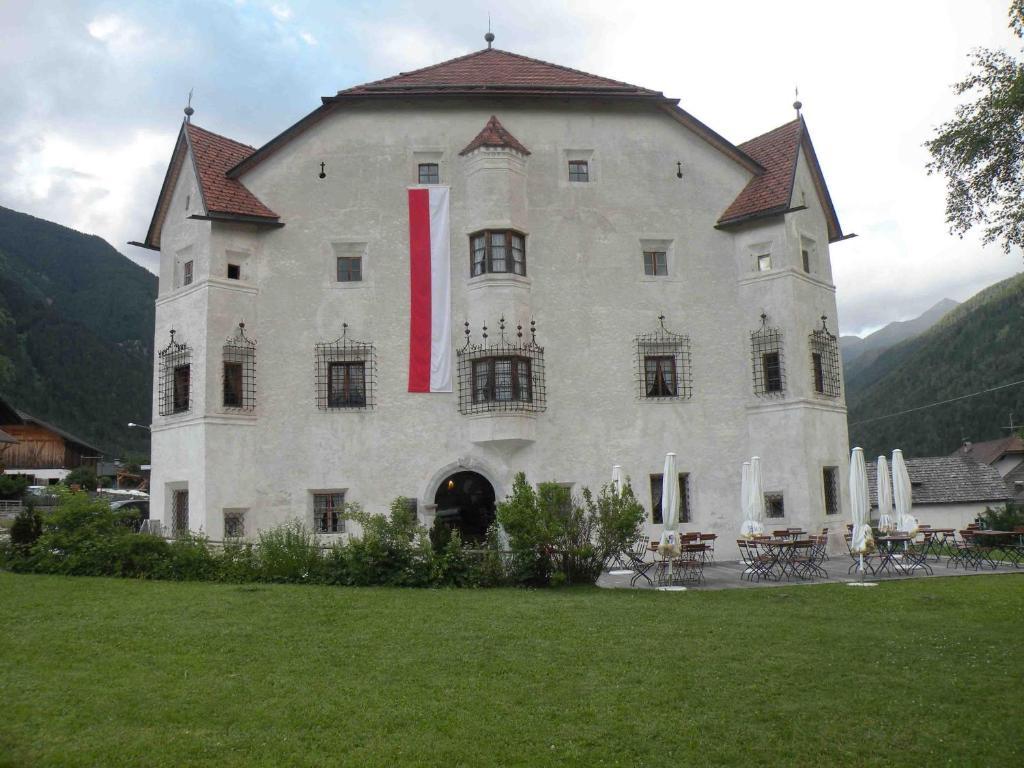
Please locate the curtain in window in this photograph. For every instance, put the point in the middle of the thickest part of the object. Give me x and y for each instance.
(503, 379)
(498, 252)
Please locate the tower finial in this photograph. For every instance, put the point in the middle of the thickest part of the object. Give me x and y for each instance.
(797, 105)
(188, 108)
(489, 37)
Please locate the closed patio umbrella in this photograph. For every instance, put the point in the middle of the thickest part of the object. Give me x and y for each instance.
(751, 525)
(902, 494)
(886, 521)
(618, 481)
(861, 540)
(669, 544)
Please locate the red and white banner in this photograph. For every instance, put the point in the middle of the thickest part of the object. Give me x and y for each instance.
(430, 327)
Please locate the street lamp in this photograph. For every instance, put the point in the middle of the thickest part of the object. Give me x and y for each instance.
(140, 426)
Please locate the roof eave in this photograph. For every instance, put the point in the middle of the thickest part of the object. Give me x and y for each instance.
(747, 218)
(239, 218)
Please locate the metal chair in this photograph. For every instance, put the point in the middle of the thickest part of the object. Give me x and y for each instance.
(638, 562)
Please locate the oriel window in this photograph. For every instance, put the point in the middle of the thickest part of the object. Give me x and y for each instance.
(502, 380)
(499, 251)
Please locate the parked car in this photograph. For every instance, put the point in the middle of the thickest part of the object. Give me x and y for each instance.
(138, 506)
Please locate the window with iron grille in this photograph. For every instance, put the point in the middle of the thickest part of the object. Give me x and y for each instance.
(329, 512)
(239, 372)
(234, 524)
(830, 479)
(774, 505)
(767, 361)
(502, 375)
(657, 487)
(429, 173)
(663, 365)
(497, 250)
(579, 170)
(345, 373)
(825, 361)
(187, 278)
(175, 378)
(179, 509)
(656, 263)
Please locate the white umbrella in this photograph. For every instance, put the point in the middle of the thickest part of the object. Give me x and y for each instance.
(860, 542)
(618, 481)
(902, 494)
(756, 492)
(669, 544)
(751, 526)
(886, 522)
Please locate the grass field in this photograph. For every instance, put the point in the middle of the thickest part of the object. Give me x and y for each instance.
(99, 672)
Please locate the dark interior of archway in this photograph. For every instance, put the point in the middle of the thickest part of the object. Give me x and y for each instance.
(465, 502)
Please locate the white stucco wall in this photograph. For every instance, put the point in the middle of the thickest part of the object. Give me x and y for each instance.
(585, 287)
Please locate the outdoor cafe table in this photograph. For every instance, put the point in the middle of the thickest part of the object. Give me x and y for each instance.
(888, 550)
(1010, 543)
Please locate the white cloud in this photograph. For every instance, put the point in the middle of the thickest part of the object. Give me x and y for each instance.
(281, 11)
(307, 38)
(120, 35)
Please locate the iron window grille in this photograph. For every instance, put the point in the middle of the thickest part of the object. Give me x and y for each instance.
(502, 375)
(825, 361)
(579, 170)
(179, 523)
(657, 486)
(830, 479)
(239, 381)
(429, 173)
(774, 505)
(768, 365)
(187, 276)
(656, 263)
(663, 365)
(234, 525)
(497, 250)
(175, 378)
(346, 373)
(329, 512)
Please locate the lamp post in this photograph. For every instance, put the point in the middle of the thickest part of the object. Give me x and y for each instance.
(140, 426)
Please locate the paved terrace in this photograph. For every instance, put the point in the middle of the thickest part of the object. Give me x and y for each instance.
(726, 575)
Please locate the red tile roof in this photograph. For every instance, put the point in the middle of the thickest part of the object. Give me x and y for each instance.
(777, 151)
(991, 451)
(494, 135)
(493, 70)
(214, 155)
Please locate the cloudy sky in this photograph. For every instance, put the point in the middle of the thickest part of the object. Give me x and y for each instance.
(92, 92)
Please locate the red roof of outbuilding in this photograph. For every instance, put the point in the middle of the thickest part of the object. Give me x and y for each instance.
(214, 155)
(493, 69)
(494, 135)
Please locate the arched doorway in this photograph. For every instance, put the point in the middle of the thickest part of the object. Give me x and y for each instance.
(465, 502)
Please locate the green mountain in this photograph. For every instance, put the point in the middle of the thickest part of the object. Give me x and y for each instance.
(858, 353)
(76, 332)
(977, 346)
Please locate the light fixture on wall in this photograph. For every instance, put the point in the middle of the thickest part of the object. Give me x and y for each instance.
(679, 169)
(451, 485)
(323, 173)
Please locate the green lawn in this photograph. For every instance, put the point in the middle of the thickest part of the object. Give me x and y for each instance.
(100, 672)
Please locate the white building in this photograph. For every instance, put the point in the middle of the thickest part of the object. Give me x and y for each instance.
(587, 205)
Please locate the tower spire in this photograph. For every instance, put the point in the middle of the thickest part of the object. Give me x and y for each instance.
(489, 37)
(188, 108)
(797, 105)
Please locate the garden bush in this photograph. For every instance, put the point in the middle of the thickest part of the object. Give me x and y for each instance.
(26, 529)
(1004, 518)
(13, 486)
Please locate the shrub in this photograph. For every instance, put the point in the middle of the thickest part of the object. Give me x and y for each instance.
(532, 529)
(440, 534)
(190, 558)
(288, 553)
(392, 550)
(13, 486)
(84, 477)
(27, 528)
(1005, 518)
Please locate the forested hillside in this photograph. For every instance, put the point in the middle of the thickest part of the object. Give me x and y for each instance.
(978, 345)
(76, 332)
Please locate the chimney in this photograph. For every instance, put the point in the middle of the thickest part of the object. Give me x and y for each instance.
(967, 445)
(1018, 485)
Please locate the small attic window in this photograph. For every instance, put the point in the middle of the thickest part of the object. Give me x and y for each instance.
(188, 200)
(579, 170)
(429, 173)
(234, 272)
(764, 262)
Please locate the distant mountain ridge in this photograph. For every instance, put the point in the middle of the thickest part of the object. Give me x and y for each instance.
(76, 332)
(976, 346)
(858, 352)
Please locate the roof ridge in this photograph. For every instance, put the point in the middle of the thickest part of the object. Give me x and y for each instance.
(193, 126)
(776, 129)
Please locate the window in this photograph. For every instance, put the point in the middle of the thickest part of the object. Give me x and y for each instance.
(773, 504)
(175, 378)
(346, 385)
(234, 524)
(502, 380)
(188, 201)
(239, 380)
(579, 170)
(497, 251)
(232, 384)
(187, 275)
(766, 354)
(350, 269)
(345, 373)
(182, 384)
(234, 272)
(328, 512)
(825, 361)
(657, 484)
(429, 173)
(764, 262)
(663, 365)
(660, 375)
(655, 263)
(830, 479)
(806, 257)
(501, 374)
(806, 253)
(179, 510)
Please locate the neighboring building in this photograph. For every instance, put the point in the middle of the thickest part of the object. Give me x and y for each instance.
(948, 491)
(1005, 454)
(42, 452)
(681, 287)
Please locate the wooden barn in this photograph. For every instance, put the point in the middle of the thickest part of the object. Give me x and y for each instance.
(41, 450)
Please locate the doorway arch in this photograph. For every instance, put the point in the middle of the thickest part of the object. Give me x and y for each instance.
(465, 502)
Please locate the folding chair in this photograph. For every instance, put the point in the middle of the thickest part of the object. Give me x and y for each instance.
(638, 562)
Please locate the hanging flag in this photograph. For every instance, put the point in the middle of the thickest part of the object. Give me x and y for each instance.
(430, 328)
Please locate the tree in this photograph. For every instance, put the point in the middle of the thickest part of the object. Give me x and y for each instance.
(981, 150)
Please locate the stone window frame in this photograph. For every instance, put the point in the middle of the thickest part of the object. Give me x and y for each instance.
(685, 493)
